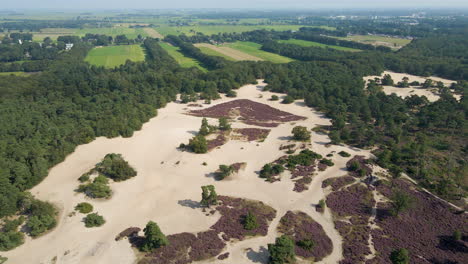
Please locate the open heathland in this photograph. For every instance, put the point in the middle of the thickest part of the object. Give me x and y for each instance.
(249, 112)
(302, 228)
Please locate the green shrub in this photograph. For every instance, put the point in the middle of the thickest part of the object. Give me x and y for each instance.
(269, 170)
(327, 162)
(94, 220)
(84, 177)
(250, 221)
(344, 154)
(300, 133)
(42, 217)
(274, 98)
(282, 251)
(306, 244)
(287, 100)
(198, 144)
(95, 190)
(84, 208)
(101, 179)
(116, 168)
(224, 171)
(154, 238)
(10, 240)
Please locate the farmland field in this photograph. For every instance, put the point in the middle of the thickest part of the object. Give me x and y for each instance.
(306, 43)
(184, 61)
(131, 33)
(254, 50)
(113, 56)
(209, 29)
(212, 52)
(395, 43)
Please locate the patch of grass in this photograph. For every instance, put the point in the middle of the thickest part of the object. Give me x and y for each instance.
(184, 61)
(254, 50)
(305, 43)
(378, 40)
(21, 74)
(113, 56)
(215, 29)
(131, 33)
(212, 52)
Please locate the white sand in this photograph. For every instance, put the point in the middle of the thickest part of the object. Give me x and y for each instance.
(155, 193)
(431, 93)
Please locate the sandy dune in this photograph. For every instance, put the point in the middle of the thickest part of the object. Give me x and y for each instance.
(430, 93)
(163, 190)
(230, 52)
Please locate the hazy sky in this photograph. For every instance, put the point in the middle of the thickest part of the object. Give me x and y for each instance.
(266, 4)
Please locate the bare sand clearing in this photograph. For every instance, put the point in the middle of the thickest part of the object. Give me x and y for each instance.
(153, 33)
(230, 52)
(169, 180)
(431, 93)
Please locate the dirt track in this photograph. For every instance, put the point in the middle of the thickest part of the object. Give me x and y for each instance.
(153, 33)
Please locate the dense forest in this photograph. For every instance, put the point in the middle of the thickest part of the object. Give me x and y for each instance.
(45, 116)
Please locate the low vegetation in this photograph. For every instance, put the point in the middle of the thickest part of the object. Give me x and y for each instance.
(301, 133)
(153, 238)
(282, 251)
(94, 220)
(84, 208)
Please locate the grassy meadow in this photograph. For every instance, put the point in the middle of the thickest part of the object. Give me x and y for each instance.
(113, 56)
(306, 43)
(184, 61)
(378, 40)
(215, 29)
(254, 50)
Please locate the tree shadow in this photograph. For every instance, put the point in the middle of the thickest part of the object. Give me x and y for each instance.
(193, 132)
(287, 138)
(258, 257)
(449, 243)
(189, 203)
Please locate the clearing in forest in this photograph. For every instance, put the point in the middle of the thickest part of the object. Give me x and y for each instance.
(305, 43)
(226, 52)
(253, 49)
(113, 56)
(394, 43)
(183, 61)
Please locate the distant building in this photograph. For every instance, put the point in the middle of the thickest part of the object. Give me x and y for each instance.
(20, 41)
(68, 46)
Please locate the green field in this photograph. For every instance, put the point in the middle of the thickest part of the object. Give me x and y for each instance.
(185, 62)
(306, 43)
(212, 52)
(22, 74)
(131, 33)
(113, 56)
(209, 30)
(254, 50)
(378, 40)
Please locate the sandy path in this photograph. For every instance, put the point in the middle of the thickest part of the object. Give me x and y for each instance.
(431, 93)
(230, 52)
(153, 33)
(161, 187)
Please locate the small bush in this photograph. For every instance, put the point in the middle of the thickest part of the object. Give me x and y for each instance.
(84, 208)
(274, 98)
(306, 244)
(250, 221)
(101, 179)
(41, 217)
(84, 177)
(288, 100)
(327, 162)
(300, 133)
(95, 190)
(344, 154)
(94, 220)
